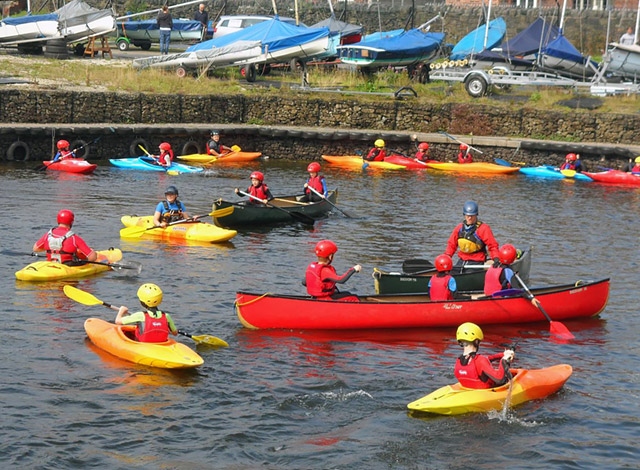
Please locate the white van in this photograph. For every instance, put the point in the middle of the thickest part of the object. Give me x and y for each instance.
(231, 23)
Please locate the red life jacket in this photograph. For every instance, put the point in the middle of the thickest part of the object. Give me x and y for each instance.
(163, 155)
(492, 282)
(376, 154)
(259, 191)
(155, 330)
(635, 169)
(568, 166)
(439, 289)
(471, 374)
(315, 183)
(313, 277)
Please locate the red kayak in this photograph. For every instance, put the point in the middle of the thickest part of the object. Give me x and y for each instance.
(71, 165)
(578, 300)
(614, 177)
(407, 162)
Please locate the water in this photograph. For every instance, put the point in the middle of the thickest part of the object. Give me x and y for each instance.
(295, 399)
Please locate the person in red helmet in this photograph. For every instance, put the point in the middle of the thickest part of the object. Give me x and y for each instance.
(422, 154)
(257, 189)
(215, 148)
(165, 158)
(442, 286)
(64, 246)
(572, 162)
(63, 151)
(464, 155)
(500, 275)
(315, 181)
(321, 277)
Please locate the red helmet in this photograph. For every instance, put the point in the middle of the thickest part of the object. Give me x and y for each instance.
(63, 144)
(325, 248)
(66, 217)
(444, 263)
(257, 175)
(423, 146)
(314, 166)
(165, 146)
(464, 146)
(507, 254)
(571, 157)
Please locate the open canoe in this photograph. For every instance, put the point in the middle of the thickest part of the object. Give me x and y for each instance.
(118, 340)
(243, 214)
(528, 384)
(548, 171)
(615, 177)
(230, 157)
(468, 279)
(357, 163)
(71, 165)
(193, 231)
(564, 302)
(52, 271)
(147, 164)
(407, 162)
(484, 168)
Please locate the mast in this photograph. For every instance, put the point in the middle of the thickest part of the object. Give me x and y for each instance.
(486, 27)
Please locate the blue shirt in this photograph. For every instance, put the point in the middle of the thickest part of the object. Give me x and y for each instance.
(173, 206)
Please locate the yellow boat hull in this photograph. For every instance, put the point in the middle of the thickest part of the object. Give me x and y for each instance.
(41, 271)
(192, 231)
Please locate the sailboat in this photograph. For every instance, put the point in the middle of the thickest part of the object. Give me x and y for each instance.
(623, 59)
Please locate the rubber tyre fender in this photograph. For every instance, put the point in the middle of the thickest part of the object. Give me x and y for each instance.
(134, 149)
(84, 151)
(191, 148)
(18, 151)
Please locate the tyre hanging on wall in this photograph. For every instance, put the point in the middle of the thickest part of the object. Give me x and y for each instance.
(191, 148)
(81, 148)
(18, 151)
(134, 148)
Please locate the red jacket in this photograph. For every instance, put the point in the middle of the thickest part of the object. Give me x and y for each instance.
(155, 330)
(439, 288)
(476, 371)
(72, 245)
(376, 154)
(483, 233)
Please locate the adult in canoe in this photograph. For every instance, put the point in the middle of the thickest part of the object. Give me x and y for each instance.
(443, 285)
(63, 151)
(500, 275)
(572, 162)
(473, 239)
(475, 370)
(321, 277)
(214, 147)
(258, 189)
(62, 245)
(169, 210)
(464, 155)
(315, 181)
(377, 153)
(152, 325)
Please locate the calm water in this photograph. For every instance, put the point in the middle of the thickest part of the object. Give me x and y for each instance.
(292, 399)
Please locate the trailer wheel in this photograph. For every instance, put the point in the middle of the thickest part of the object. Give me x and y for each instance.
(476, 86)
(145, 46)
(249, 72)
(181, 72)
(122, 44)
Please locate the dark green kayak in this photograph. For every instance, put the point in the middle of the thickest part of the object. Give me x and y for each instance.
(417, 281)
(282, 209)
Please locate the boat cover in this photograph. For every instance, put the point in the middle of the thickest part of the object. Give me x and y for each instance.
(30, 19)
(407, 43)
(339, 27)
(473, 42)
(77, 12)
(150, 25)
(561, 48)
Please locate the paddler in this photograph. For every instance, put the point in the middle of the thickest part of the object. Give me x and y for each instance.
(473, 239)
(464, 154)
(63, 151)
(64, 246)
(152, 325)
(165, 158)
(321, 277)
(443, 285)
(500, 275)
(423, 152)
(377, 153)
(214, 147)
(170, 210)
(315, 181)
(258, 189)
(475, 370)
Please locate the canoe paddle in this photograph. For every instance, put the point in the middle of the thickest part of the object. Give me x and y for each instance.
(85, 298)
(138, 231)
(327, 199)
(305, 219)
(556, 327)
(132, 265)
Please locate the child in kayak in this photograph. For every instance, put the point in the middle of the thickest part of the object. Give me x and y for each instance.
(214, 147)
(377, 153)
(464, 155)
(475, 370)
(315, 181)
(321, 277)
(152, 325)
(442, 286)
(258, 189)
(499, 275)
(572, 162)
(165, 158)
(63, 151)
(422, 154)
(64, 246)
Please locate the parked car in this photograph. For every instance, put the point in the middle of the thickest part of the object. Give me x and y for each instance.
(231, 23)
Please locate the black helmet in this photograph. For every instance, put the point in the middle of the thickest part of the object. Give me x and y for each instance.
(215, 132)
(171, 190)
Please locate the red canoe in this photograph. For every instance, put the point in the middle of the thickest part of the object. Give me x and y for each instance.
(71, 165)
(615, 177)
(260, 311)
(407, 162)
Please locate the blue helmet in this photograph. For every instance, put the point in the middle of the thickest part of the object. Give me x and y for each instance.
(470, 208)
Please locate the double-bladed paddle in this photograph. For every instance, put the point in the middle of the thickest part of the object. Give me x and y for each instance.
(85, 298)
(461, 142)
(305, 219)
(555, 327)
(130, 265)
(327, 199)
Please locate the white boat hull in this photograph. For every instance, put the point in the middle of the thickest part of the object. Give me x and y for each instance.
(27, 32)
(624, 60)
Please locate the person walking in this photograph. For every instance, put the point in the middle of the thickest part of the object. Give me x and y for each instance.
(165, 23)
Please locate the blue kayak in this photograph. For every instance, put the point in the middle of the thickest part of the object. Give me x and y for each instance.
(147, 164)
(548, 171)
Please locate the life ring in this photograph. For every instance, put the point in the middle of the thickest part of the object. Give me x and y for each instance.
(81, 147)
(134, 148)
(19, 151)
(190, 148)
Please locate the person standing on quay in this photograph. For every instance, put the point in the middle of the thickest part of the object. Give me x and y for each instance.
(165, 23)
(203, 17)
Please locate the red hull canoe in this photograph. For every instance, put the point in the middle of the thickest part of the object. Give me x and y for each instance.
(263, 311)
(71, 165)
(407, 162)
(615, 177)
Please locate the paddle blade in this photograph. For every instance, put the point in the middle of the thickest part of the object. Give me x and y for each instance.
(81, 296)
(210, 341)
(236, 148)
(132, 232)
(222, 212)
(412, 266)
(502, 162)
(128, 266)
(558, 329)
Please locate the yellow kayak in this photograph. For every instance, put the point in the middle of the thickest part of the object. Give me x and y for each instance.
(475, 167)
(229, 157)
(357, 163)
(118, 340)
(193, 231)
(52, 271)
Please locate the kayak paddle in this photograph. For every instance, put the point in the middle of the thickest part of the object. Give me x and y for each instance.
(305, 219)
(85, 298)
(133, 265)
(461, 142)
(556, 327)
(327, 199)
